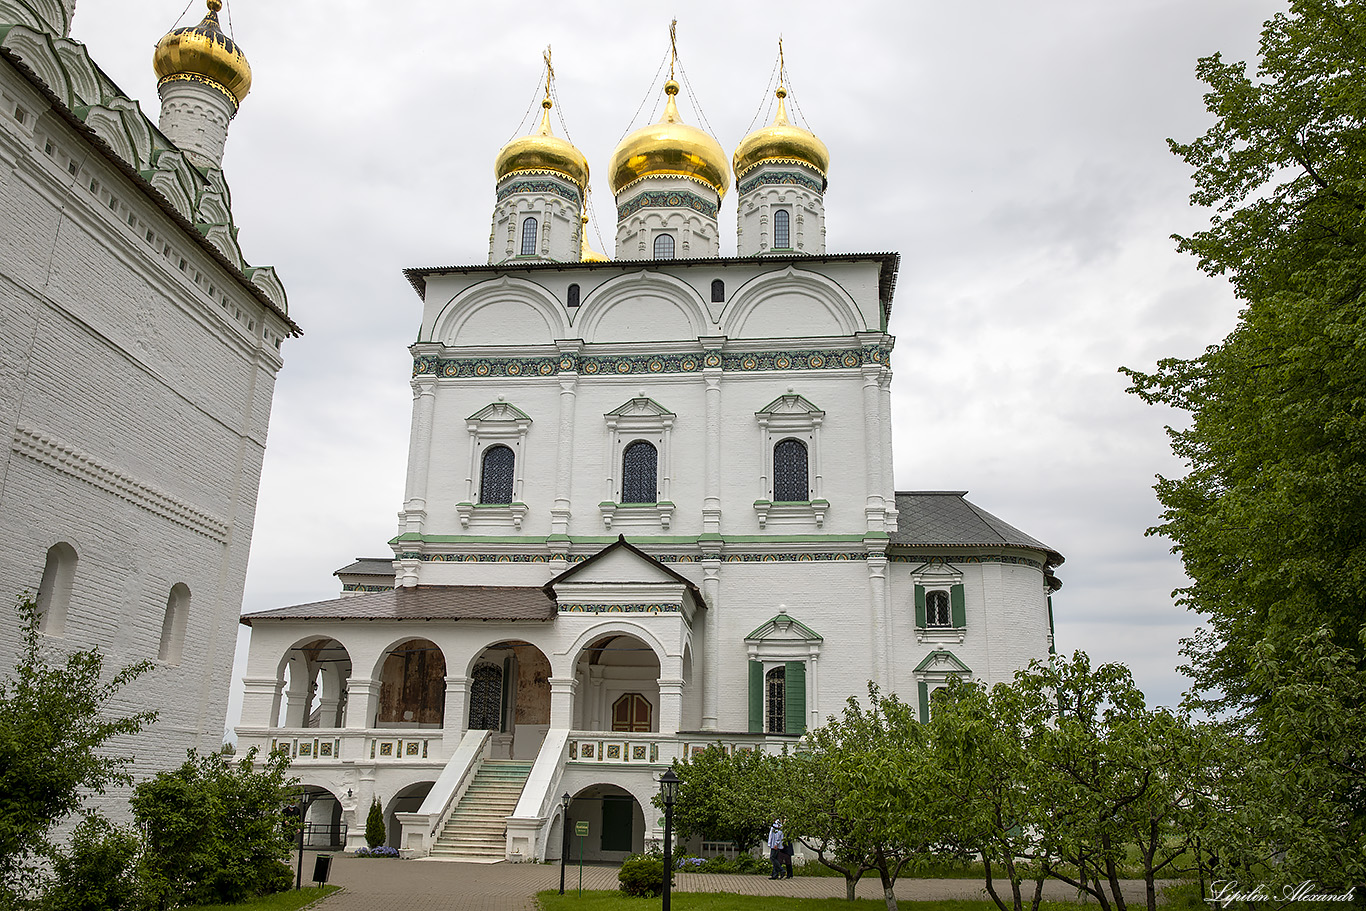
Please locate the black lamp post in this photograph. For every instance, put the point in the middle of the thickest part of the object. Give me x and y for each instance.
(668, 789)
(564, 842)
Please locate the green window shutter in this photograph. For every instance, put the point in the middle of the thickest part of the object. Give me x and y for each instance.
(794, 697)
(756, 697)
(920, 607)
(960, 613)
(924, 701)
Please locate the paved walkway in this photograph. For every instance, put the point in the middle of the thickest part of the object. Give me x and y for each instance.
(432, 885)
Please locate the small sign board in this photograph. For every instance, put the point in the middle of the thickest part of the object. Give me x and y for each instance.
(581, 827)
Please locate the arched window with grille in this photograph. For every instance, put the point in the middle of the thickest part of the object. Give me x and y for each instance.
(790, 472)
(572, 295)
(664, 246)
(639, 473)
(496, 475)
(775, 700)
(486, 698)
(937, 609)
(718, 291)
(529, 227)
(782, 235)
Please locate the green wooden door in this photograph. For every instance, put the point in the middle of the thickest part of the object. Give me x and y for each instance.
(617, 830)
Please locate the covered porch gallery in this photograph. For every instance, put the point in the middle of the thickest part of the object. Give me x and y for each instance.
(402, 675)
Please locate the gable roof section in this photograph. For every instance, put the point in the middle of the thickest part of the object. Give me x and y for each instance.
(622, 544)
(425, 602)
(944, 518)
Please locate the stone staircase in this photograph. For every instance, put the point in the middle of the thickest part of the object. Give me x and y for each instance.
(475, 831)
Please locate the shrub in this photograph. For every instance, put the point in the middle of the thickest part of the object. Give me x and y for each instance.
(642, 875)
(374, 824)
(98, 872)
(213, 830)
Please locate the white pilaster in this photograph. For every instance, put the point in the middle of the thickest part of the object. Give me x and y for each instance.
(711, 593)
(670, 704)
(362, 698)
(419, 454)
(711, 503)
(874, 505)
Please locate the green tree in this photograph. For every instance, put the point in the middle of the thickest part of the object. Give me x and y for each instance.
(374, 824)
(861, 798)
(986, 773)
(728, 796)
(55, 717)
(1270, 519)
(97, 871)
(214, 830)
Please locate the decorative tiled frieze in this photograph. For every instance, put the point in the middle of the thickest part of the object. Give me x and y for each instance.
(941, 560)
(367, 589)
(619, 608)
(667, 199)
(538, 185)
(779, 178)
(62, 457)
(822, 359)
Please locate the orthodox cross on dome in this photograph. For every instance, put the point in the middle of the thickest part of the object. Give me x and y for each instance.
(549, 70)
(673, 46)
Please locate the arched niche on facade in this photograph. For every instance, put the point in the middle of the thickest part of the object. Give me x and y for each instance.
(616, 821)
(643, 306)
(791, 303)
(412, 678)
(313, 675)
(408, 800)
(495, 311)
(618, 684)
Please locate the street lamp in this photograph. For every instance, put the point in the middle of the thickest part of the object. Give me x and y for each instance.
(564, 842)
(668, 789)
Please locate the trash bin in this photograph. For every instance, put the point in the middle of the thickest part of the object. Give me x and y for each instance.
(322, 865)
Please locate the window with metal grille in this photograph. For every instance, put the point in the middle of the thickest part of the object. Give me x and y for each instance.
(937, 609)
(775, 689)
(529, 237)
(790, 473)
(664, 246)
(486, 697)
(639, 473)
(495, 477)
(781, 235)
(718, 291)
(572, 296)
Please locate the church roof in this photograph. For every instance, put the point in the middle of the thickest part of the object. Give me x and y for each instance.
(944, 518)
(891, 262)
(425, 602)
(368, 566)
(622, 544)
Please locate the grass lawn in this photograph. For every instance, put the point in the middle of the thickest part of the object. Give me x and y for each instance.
(723, 901)
(280, 901)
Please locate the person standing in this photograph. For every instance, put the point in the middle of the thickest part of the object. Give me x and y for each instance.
(775, 848)
(787, 857)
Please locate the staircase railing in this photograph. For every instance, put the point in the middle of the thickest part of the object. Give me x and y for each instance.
(420, 828)
(530, 821)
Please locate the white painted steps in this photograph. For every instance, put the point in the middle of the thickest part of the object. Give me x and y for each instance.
(476, 829)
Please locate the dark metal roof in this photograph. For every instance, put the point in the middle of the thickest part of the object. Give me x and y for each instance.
(943, 518)
(368, 566)
(891, 262)
(151, 192)
(425, 602)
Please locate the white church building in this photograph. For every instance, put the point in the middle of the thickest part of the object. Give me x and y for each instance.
(649, 508)
(137, 367)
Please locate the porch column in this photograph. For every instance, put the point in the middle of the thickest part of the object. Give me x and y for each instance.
(456, 713)
(562, 691)
(670, 704)
(362, 698)
(296, 698)
(329, 697)
(261, 701)
(711, 648)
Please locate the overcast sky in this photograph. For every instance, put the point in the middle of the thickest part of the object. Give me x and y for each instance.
(1012, 152)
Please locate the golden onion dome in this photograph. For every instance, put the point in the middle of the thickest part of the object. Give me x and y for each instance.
(670, 147)
(586, 252)
(781, 141)
(543, 151)
(202, 53)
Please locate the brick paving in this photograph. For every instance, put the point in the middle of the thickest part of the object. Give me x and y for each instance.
(433, 885)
